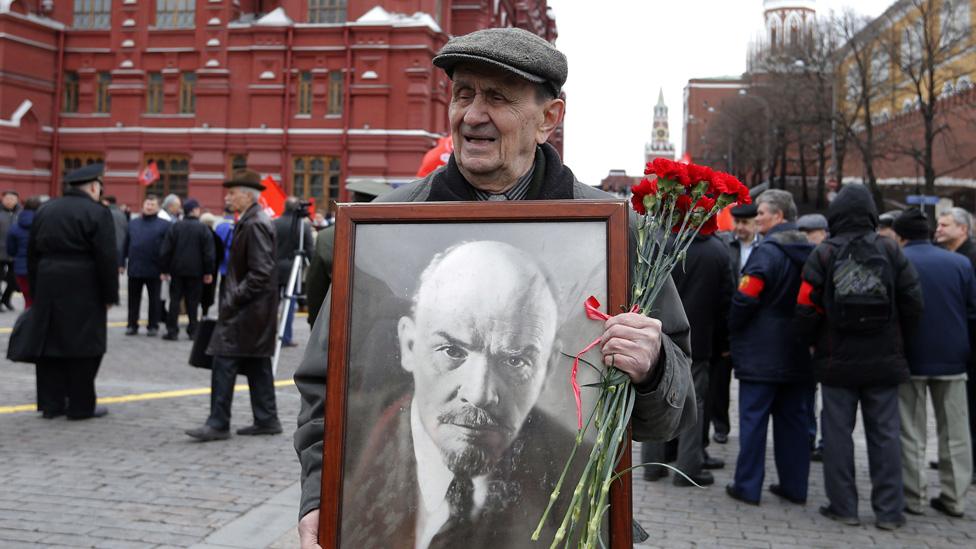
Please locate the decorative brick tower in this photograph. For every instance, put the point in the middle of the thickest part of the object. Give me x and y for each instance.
(788, 22)
(660, 145)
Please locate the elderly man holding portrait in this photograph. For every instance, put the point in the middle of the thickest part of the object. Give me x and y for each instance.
(505, 105)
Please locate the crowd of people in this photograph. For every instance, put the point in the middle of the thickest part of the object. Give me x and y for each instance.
(874, 310)
(170, 251)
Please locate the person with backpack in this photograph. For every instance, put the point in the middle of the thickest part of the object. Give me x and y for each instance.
(859, 302)
(772, 367)
(938, 356)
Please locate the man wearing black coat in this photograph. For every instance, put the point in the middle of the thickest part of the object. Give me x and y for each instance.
(186, 260)
(287, 234)
(71, 263)
(141, 257)
(244, 338)
(860, 366)
(705, 285)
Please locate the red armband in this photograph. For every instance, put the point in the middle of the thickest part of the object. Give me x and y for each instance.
(751, 285)
(803, 298)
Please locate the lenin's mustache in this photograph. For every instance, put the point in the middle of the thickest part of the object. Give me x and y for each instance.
(473, 417)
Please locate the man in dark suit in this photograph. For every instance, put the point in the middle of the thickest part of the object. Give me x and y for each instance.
(705, 285)
(464, 455)
(187, 259)
(71, 267)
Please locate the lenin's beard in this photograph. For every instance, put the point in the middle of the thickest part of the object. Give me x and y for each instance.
(475, 453)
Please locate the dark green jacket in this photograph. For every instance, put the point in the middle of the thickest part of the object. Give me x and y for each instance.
(662, 410)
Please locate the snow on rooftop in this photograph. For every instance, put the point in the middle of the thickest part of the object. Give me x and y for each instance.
(276, 18)
(379, 16)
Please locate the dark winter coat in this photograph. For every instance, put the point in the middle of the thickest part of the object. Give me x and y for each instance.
(72, 269)
(7, 220)
(942, 342)
(705, 285)
(187, 249)
(121, 227)
(968, 249)
(765, 347)
(249, 296)
(17, 239)
(659, 414)
(847, 359)
(142, 245)
(286, 242)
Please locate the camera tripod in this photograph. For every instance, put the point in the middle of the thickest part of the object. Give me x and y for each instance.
(294, 290)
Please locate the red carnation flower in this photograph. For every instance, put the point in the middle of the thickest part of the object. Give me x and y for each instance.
(646, 187)
(668, 169)
(698, 173)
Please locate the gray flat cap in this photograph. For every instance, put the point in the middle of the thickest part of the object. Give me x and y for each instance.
(515, 50)
(812, 222)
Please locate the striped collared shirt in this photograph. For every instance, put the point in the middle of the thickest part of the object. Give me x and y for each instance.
(517, 192)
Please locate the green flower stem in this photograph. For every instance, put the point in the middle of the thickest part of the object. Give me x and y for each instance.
(562, 477)
(581, 486)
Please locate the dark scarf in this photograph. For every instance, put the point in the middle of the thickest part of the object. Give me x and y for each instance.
(551, 180)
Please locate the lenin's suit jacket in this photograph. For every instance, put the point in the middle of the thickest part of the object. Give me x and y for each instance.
(380, 500)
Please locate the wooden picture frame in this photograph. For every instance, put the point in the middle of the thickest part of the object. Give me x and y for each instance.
(381, 249)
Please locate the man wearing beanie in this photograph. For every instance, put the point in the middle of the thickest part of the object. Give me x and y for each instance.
(938, 356)
(859, 301)
(187, 260)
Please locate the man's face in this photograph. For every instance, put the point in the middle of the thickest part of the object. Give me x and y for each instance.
(479, 356)
(816, 236)
(767, 218)
(150, 206)
(948, 232)
(175, 207)
(10, 201)
(237, 199)
(497, 121)
(745, 229)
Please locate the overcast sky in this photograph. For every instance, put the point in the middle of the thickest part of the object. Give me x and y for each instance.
(622, 51)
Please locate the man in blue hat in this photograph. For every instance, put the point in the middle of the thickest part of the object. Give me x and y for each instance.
(71, 262)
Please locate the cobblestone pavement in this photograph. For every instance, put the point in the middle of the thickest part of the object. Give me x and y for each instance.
(133, 479)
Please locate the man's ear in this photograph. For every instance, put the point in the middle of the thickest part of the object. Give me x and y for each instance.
(405, 332)
(552, 115)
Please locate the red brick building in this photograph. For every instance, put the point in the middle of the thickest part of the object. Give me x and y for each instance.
(323, 95)
(703, 102)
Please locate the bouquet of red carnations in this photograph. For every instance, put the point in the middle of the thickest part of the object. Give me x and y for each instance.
(680, 202)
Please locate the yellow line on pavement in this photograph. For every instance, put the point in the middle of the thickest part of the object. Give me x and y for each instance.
(123, 324)
(144, 396)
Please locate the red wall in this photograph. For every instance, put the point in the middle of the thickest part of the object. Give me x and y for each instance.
(386, 126)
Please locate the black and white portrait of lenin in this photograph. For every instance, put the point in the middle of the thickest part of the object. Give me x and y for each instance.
(461, 413)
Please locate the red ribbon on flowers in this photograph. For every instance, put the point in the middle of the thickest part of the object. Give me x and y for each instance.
(593, 312)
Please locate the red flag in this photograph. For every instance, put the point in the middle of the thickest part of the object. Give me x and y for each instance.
(272, 197)
(436, 157)
(149, 174)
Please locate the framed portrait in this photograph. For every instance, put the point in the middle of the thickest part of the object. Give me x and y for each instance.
(449, 409)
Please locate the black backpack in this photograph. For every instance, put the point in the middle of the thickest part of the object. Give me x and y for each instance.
(859, 285)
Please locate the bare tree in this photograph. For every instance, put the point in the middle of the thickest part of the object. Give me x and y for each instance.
(862, 76)
(928, 39)
(740, 131)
